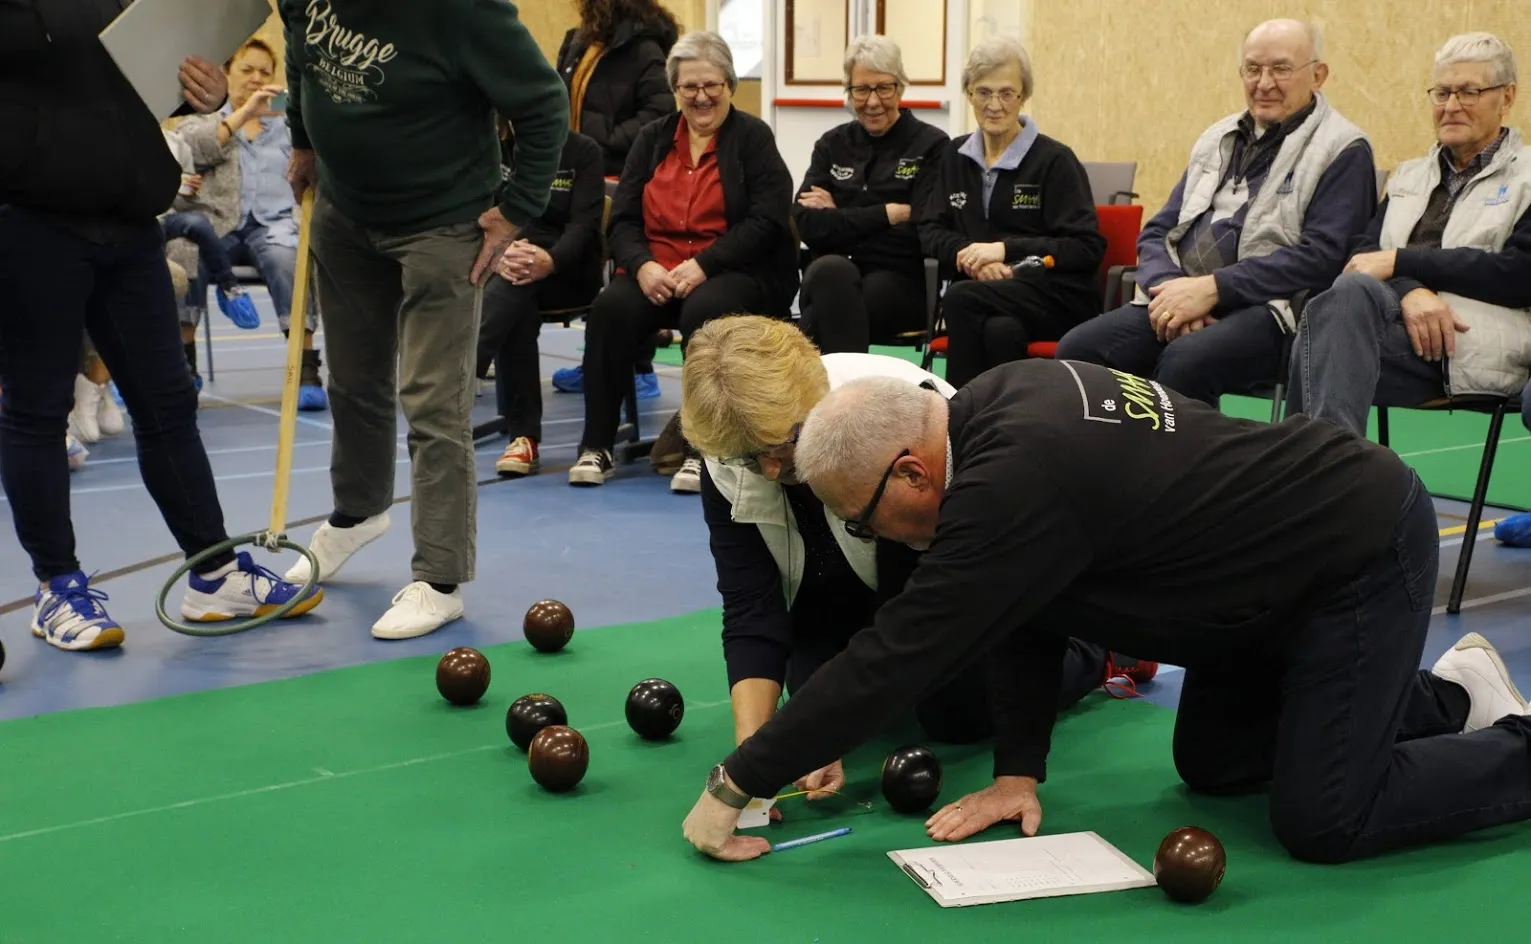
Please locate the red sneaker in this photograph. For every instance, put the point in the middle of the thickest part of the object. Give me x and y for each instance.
(1131, 673)
(519, 458)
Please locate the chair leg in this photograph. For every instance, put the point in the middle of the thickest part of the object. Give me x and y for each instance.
(1475, 510)
(207, 325)
(1382, 436)
(1278, 400)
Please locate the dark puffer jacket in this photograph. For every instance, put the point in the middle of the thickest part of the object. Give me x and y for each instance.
(628, 89)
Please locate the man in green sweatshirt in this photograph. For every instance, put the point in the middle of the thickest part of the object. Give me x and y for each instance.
(392, 112)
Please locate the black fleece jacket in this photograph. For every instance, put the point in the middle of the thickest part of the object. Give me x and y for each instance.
(757, 189)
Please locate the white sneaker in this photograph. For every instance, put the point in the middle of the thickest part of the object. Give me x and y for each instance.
(87, 406)
(1473, 664)
(418, 609)
(334, 546)
(689, 478)
(595, 467)
(77, 453)
(109, 416)
(241, 589)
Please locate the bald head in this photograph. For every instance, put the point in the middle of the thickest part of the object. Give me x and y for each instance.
(1301, 37)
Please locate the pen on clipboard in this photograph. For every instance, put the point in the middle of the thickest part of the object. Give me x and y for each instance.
(820, 837)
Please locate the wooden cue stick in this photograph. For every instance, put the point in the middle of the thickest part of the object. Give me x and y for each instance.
(297, 325)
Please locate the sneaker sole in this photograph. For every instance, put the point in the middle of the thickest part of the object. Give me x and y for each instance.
(1475, 641)
(261, 610)
(587, 478)
(106, 639)
(685, 488)
(515, 467)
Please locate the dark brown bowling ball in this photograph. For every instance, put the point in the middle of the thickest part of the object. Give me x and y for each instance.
(654, 709)
(911, 779)
(558, 757)
(664, 338)
(1189, 864)
(462, 676)
(530, 714)
(549, 625)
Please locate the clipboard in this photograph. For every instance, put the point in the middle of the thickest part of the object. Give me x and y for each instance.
(983, 873)
(151, 38)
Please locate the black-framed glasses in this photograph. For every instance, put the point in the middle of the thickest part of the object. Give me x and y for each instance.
(751, 460)
(1440, 94)
(883, 90)
(859, 526)
(710, 89)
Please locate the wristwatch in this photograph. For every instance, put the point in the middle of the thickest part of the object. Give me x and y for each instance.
(718, 787)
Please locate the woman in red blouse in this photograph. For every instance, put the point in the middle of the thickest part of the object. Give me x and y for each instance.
(698, 230)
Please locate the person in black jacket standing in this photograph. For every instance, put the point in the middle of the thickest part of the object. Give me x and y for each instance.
(554, 263)
(1059, 500)
(866, 282)
(81, 250)
(1012, 222)
(698, 230)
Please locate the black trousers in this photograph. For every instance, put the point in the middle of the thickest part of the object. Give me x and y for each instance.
(1359, 750)
(1242, 349)
(990, 323)
(958, 711)
(848, 306)
(54, 287)
(507, 337)
(623, 319)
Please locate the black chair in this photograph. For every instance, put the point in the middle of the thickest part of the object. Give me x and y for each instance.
(1496, 407)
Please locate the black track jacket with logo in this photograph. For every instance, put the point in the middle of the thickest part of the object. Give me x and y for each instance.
(865, 173)
(570, 228)
(1091, 502)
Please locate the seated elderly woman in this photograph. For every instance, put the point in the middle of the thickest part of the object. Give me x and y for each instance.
(866, 281)
(1012, 221)
(241, 154)
(698, 229)
(1433, 304)
(797, 582)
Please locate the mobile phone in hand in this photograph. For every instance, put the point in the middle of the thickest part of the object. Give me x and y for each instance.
(278, 102)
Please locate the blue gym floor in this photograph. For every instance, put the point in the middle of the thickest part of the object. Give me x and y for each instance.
(626, 552)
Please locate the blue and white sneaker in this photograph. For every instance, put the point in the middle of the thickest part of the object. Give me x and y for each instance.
(240, 590)
(68, 615)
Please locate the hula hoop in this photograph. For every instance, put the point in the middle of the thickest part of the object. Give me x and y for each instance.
(261, 538)
(273, 538)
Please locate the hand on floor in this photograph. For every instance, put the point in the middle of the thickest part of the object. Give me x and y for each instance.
(1008, 798)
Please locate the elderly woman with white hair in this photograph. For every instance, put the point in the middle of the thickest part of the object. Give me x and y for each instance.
(865, 281)
(1433, 303)
(698, 229)
(1012, 222)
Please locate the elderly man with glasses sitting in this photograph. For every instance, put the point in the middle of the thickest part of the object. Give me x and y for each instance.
(797, 582)
(1270, 199)
(1435, 301)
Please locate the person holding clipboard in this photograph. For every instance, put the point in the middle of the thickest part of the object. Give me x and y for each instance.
(82, 250)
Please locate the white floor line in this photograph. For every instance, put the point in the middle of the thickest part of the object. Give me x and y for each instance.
(324, 776)
(1485, 601)
(317, 424)
(1477, 446)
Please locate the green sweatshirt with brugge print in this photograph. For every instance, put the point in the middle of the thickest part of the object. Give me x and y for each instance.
(397, 100)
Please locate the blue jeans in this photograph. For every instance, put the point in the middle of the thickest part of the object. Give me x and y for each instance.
(1353, 352)
(55, 286)
(211, 252)
(1237, 353)
(277, 266)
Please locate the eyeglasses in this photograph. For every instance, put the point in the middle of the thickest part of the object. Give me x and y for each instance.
(1006, 97)
(861, 93)
(859, 527)
(710, 89)
(751, 460)
(1281, 71)
(1440, 95)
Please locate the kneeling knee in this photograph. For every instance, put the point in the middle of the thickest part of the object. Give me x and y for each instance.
(1308, 838)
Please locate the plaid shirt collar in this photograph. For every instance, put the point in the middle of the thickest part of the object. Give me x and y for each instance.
(1455, 179)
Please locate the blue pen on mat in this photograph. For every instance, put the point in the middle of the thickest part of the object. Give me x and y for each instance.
(794, 843)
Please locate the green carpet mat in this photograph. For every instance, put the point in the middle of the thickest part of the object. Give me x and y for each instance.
(356, 805)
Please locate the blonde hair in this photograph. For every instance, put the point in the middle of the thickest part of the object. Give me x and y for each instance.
(746, 381)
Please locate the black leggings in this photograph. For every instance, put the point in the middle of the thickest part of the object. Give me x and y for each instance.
(847, 307)
(55, 286)
(622, 319)
(990, 323)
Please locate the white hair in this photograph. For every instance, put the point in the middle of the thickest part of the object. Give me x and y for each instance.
(701, 46)
(852, 434)
(995, 53)
(876, 54)
(1311, 31)
(1480, 47)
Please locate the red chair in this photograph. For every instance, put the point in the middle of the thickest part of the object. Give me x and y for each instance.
(1119, 223)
